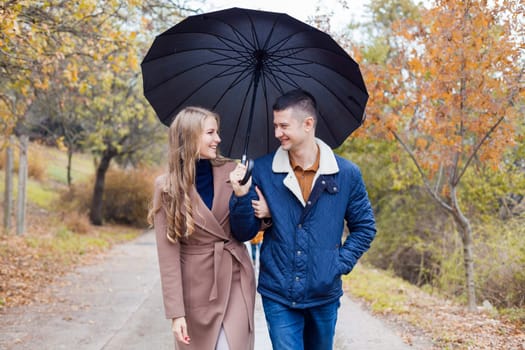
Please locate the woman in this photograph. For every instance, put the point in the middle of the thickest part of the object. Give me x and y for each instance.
(208, 282)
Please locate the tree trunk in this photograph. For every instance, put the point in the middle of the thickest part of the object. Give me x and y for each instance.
(22, 179)
(96, 213)
(8, 189)
(468, 258)
(69, 161)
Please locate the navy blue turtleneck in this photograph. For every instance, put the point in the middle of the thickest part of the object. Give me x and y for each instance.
(204, 181)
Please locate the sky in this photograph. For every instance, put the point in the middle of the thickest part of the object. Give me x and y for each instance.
(300, 9)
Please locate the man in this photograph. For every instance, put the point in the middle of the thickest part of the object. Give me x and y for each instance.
(310, 193)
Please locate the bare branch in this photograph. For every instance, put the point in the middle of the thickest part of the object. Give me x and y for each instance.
(487, 135)
(428, 187)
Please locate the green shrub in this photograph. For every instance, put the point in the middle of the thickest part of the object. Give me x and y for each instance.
(418, 240)
(500, 262)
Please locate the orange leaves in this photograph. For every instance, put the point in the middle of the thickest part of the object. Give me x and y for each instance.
(421, 143)
(416, 65)
(463, 96)
(453, 74)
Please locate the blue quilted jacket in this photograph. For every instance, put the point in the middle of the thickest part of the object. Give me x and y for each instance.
(303, 255)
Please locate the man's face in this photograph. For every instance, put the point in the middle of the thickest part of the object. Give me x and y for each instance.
(289, 129)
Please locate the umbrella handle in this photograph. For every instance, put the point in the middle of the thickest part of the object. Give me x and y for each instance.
(248, 174)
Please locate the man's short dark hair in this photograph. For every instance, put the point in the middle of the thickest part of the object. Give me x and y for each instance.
(299, 99)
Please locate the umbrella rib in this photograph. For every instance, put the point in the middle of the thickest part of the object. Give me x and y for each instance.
(291, 79)
(277, 46)
(215, 63)
(268, 114)
(305, 74)
(222, 50)
(242, 46)
(235, 31)
(237, 125)
(235, 82)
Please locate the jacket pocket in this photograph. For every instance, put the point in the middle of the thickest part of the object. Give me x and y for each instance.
(325, 279)
(275, 271)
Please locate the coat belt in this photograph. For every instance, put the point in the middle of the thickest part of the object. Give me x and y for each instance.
(218, 249)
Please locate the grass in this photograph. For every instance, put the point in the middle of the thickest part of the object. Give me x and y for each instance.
(50, 246)
(66, 245)
(384, 292)
(41, 194)
(44, 193)
(446, 322)
(82, 166)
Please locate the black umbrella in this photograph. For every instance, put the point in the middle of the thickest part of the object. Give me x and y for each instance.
(238, 61)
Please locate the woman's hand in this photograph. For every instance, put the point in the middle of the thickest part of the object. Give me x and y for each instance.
(179, 328)
(260, 207)
(236, 176)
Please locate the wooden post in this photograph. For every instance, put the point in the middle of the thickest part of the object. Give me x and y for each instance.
(8, 190)
(22, 179)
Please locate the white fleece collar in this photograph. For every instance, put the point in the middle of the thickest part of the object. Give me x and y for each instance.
(327, 163)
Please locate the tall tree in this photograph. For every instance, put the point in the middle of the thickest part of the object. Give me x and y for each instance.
(450, 94)
(39, 38)
(82, 56)
(121, 127)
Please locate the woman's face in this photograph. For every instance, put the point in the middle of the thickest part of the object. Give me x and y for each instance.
(209, 139)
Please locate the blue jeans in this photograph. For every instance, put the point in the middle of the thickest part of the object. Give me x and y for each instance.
(301, 329)
(255, 247)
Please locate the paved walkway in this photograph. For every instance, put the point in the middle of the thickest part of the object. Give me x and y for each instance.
(116, 303)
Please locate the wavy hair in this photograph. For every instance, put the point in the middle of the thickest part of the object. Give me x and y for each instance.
(184, 136)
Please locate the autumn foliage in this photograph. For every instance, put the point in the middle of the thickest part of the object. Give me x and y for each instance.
(448, 87)
(453, 87)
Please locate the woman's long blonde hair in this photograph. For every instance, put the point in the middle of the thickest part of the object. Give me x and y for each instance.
(184, 137)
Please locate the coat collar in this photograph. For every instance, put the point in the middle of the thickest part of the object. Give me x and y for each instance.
(327, 163)
(215, 220)
(327, 166)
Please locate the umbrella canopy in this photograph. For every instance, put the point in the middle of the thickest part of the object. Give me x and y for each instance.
(237, 62)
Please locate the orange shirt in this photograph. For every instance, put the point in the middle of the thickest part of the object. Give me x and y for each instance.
(258, 238)
(306, 176)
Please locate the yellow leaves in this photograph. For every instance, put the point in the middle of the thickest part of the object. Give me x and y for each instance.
(71, 73)
(132, 61)
(83, 88)
(67, 47)
(97, 56)
(42, 84)
(60, 144)
(85, 7)
(134, 2)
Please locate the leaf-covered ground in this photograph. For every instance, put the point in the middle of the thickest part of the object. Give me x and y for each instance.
(417, 314)
(47, 250)
(29, 263)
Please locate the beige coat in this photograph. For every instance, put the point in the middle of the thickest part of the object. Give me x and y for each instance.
(208, 277)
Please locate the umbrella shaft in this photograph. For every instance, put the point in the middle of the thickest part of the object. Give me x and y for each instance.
(252, 108)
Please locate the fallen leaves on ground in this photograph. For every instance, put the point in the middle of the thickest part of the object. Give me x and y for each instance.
(451, 326)
(27, 265)
(26, 269)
